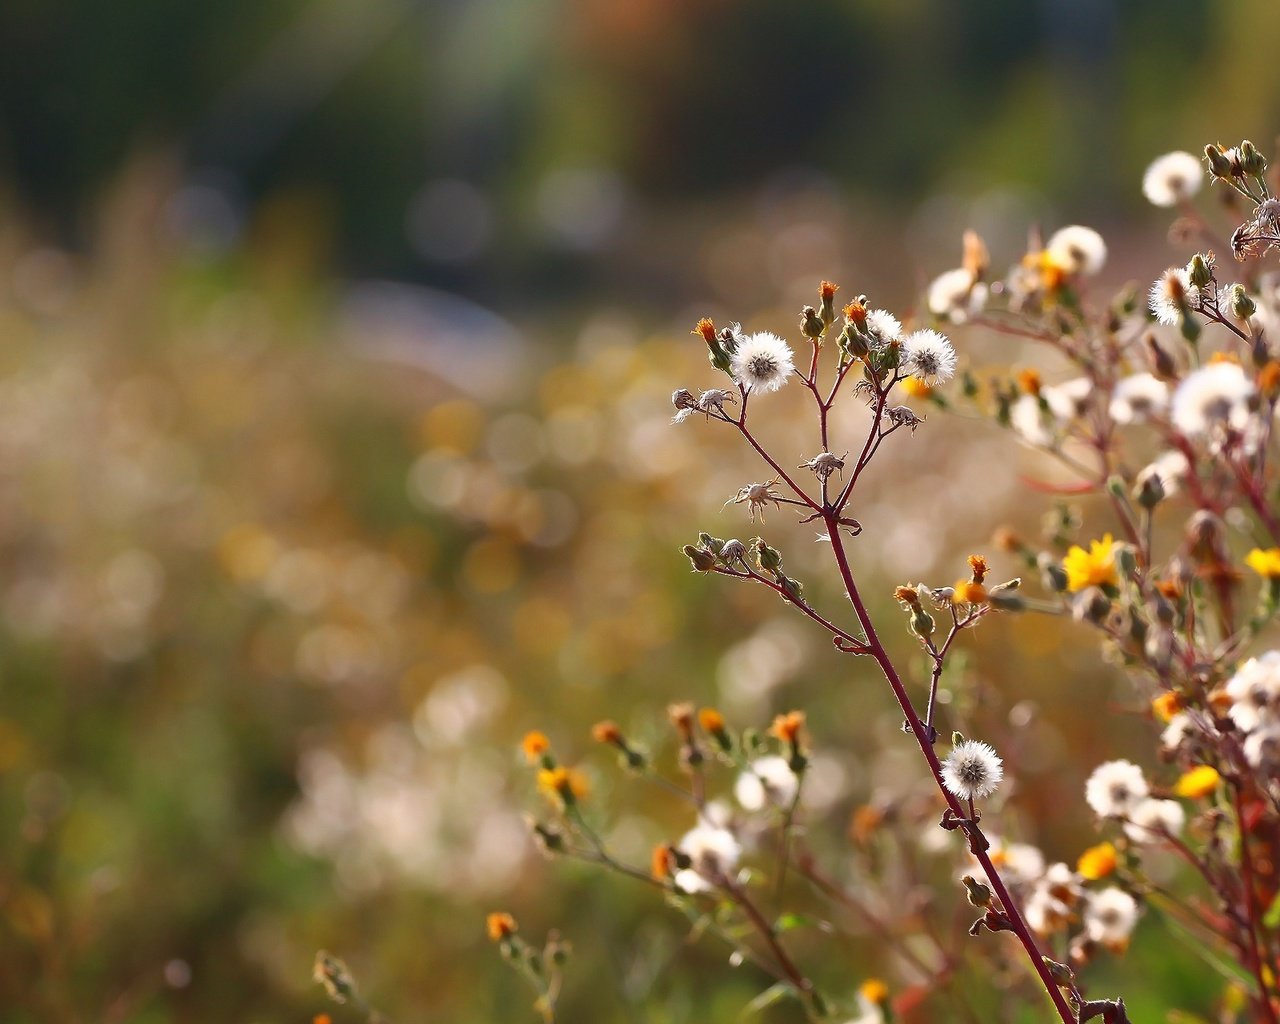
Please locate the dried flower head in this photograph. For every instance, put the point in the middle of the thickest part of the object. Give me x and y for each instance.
(972, 769)
(762, 362)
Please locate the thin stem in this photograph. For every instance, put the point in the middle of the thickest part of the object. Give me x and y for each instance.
(877, 651)
(1251, 908)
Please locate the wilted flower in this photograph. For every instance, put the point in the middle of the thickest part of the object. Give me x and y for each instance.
(972, 769)
(762, 362)
(1172, 178)
(1114, 788)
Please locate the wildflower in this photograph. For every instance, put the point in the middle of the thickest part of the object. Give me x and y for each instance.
(915, 388)
(957, 295)
(662, 862)
(499, 926)
(1265, 563)
(534, 745)
(1138, 398)
(1217, 394)
(762, 362)
(978, 566)
(1114, 788)
(681, 716)
(1109, 918)
(1179, 727)
(1172, 296)
(565, 786)
(1020, 863)
(1172, 179)
(1077, 250)
(607, 732)
(929, 356)
(712, 723)
(1198, 782)
(788, 727)
(968, 592)
(1093, 568)
(767, 782)
(1097, 862)
(1254, 692)
(873, 990)
(712, 852)
(1052, 903)
(972, 769)
(1151, 820)
(1166, 705)
(827, 295)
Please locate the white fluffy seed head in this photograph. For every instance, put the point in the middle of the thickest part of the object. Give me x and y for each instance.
(1077, 250)
(1110, 916)
(928, 356)
(1114, 788)
(1170, 294)
(1214, 395)
(972, 769)
(1172, 178)
(762, 362)
(767, 782)
(1150, 821)
(1138, 398)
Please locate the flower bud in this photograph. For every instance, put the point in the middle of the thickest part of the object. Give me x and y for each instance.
(1052, 575)
(1199, 271)
(702, 559)
(811, 324)
(733, 551)
(1126, 560)
(1091, 605)
(827, 293)
(1252, 161)
(1242, 307)
(979, 893)
(769, 559)
(1219, 165)
(922, 624)
(1149, 491)
(1162, 365)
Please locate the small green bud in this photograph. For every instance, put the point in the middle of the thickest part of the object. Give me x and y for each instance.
(1252, 161)
(922, 624)
(1115, 487)
(769, 559)
(1190, 327)
(957, 738)
(1242, 307)
(1052, 575)
(702, 559)
(979, 893)
(811, 324)
(1219, 165)
(1150, 491)
(1199, 271)
(1126, 560)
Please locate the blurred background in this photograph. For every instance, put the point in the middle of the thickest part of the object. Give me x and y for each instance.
(337, 343)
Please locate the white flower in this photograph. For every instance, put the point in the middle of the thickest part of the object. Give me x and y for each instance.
(972, 769)
(1019, 863)
(1172, 292)
(1171, 468)
(883, 325)
(1151, 820)
(1052, 902)
(714, 852)
(956, 295)
(1255, 692)
(1070, 398)
(1110, 916)
(1077, 250)
(1114, 788)
(1139, 397)
(1030, 420)
(928, 356)
(1215, 394)
(1172, 178)
(762, 361)
(768, 781)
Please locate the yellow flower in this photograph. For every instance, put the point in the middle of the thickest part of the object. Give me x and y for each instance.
(563, 785)
(1199, 781)
(499, 925)
(1097, 862)
(1265, 563)
(534, 745)
(874, 991)
(915, 388)
(1093, 568)
(1166, 705)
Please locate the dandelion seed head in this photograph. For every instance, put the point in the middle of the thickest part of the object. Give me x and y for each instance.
(1214, 395)
(1114, 788)
(1172, 178)
(1077, 250)
(1138, 398)
(972, 769)
(957, 295)
(762, 362)
(1110, 916)
(929, 356)
(1151, 820)
(883, 325)
(1170, 294)
(767, 782)
(1255, 693)
(714, 852)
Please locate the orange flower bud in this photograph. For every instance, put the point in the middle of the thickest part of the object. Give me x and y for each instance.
(499, 925)
(787, 727)
(535, 744)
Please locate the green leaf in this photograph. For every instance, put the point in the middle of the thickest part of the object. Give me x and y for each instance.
(773, 994)
(790, 922)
